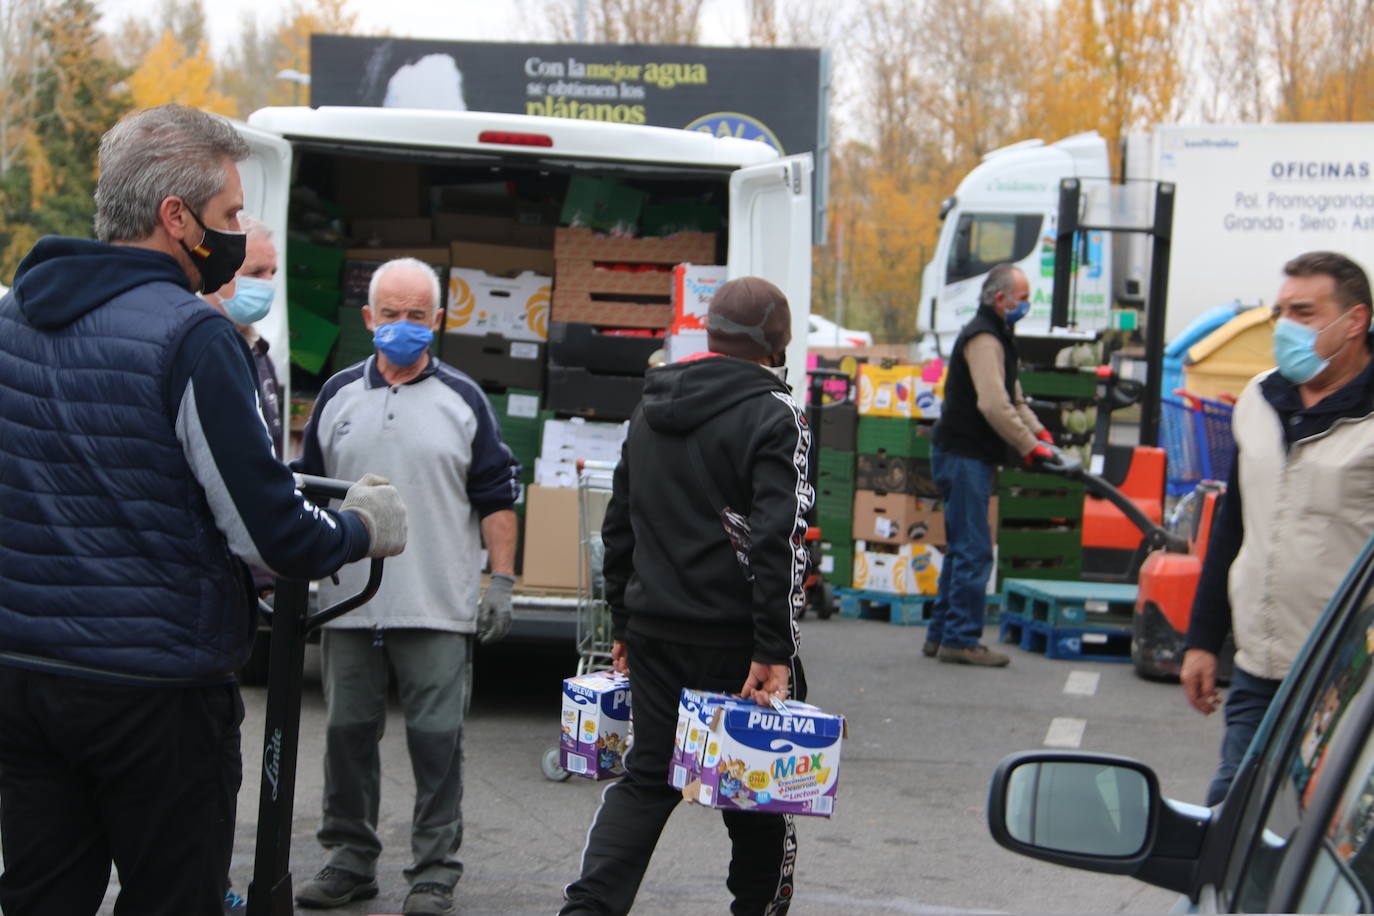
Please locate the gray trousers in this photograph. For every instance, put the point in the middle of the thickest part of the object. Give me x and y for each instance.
(434, 679)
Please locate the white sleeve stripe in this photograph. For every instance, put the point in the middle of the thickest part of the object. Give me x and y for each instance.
(804, 498)
(207, 473)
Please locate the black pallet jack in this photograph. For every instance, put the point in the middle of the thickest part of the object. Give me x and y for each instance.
(269, 891)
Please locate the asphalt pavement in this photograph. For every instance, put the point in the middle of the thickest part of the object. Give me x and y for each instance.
(909, 834)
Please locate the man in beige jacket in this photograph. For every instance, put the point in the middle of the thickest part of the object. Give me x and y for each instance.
(1305, 450)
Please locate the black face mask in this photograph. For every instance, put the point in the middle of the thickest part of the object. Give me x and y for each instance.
(218, 256)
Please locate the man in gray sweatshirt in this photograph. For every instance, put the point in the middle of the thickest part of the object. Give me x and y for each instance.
(431, 431)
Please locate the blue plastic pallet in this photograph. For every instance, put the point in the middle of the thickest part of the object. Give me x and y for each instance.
(902, 610)
(1073, 643)
(1058, 604)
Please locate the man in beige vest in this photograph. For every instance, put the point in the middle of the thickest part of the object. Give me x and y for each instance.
(1299, 504)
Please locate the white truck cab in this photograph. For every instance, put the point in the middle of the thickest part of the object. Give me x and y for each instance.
(1006, 209)
(765, 200)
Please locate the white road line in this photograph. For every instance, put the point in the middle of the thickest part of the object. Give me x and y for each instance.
(1065, 732)
(1082, 683)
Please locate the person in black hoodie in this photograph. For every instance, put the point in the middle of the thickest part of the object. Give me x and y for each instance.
(704, 564)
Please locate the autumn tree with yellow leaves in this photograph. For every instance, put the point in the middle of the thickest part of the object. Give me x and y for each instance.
(169, 74)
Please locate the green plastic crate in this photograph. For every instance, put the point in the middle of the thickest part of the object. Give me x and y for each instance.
(1058, 384)
(1039, 543)
(894, 436)
(314, 263)
(836, 465)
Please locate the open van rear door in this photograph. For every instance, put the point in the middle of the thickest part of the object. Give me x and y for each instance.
(770, 237)
(266, 175)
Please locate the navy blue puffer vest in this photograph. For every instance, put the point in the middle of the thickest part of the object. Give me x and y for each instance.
(109, 556)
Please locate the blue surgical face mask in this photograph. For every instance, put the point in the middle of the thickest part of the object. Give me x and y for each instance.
(1295, 350)
(1021, 310)
(402, 342)
(252, 300)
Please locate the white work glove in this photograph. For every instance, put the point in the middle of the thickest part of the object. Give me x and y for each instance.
(376, 501)
(1063, 462)
(493, 614)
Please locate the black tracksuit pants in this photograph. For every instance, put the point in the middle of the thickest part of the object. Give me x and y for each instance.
(94, 774)
(634, 810)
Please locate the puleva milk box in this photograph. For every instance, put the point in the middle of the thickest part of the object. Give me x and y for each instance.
(689, 742)
(596, 725)
(756, 758)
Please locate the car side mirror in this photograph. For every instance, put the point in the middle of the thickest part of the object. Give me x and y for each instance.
(1079, 807)
(1096, 812)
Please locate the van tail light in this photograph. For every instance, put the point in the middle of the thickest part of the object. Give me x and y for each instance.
(511, 138)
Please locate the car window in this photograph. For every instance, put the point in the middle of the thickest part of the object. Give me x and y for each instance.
(984, 240)
(1299, 763)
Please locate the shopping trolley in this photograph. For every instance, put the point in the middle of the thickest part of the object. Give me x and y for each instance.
(1196, 434)
(593, 614)
(594, 639)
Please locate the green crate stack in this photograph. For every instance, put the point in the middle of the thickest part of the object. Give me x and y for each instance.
(1039, 526)
(313, 296)
(895, 436)
(835, 514)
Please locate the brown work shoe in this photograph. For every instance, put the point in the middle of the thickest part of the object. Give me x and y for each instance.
(928, 648)
(979, 655)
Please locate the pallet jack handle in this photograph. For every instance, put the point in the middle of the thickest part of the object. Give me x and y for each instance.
(1156, 537)
(269, 891)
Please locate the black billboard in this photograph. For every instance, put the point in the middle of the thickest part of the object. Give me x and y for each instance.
(769, 94)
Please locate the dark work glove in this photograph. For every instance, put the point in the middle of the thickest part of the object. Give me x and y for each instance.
(493, 614)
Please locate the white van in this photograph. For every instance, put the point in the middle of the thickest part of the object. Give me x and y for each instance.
(765, 201)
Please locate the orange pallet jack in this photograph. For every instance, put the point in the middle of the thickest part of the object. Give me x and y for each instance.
(1166, 566)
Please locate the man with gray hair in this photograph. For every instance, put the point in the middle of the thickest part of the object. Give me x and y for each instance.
(984, 421)
(136, 480)
(430, 429)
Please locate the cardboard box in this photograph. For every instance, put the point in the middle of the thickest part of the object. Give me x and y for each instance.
(628, 280)
(899, 518)
(679, 345)
(596, 727)
(582, 308)
(371, 188)
(429, 254)
(494, 361)
(503, 260)
(892, 518)
(482, 227)
(584, 244)
(758, 759)
(583, 393)
(913, 570)
(393, 231)
(589, 347)
(693, 287)
(896, 474)
(514, 307)
(568, 441)
(553, 550)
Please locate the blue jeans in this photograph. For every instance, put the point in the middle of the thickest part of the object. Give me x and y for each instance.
(1247, 701)
(965, 486)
